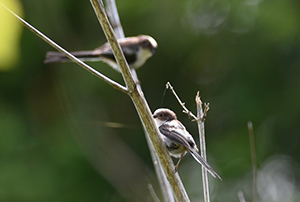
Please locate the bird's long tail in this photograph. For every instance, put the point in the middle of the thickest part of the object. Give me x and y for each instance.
(200, 160)
(52, 57)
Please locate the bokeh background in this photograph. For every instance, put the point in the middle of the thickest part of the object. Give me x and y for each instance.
(67, 136)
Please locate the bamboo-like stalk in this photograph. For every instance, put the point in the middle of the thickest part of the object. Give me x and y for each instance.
(141, 105)
(113, 15)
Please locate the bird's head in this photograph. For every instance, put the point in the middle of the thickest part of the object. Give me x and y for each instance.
(162, 115)
(148, 43)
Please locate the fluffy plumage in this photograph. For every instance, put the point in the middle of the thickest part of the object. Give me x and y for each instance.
(177, 139)
(136, 51)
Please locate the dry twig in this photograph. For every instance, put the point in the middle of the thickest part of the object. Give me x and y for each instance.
(241, 196)
(201, 115)
(185, 109)
(254, 163)
(153, 194)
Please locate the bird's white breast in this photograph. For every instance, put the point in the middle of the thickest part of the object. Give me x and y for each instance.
(142, 56)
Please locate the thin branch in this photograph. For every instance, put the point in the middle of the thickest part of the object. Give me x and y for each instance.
(161, 176)
(111, 38)
(201, 117)
(153, 194)
(254, 163)
(113, 15)
(206, 108)
(185, 110)
(112, 12)
(141, 106)
(136, 79)
(241, 196)
(69, 55)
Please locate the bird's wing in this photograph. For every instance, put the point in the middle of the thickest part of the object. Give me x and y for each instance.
(129, 52)
(178, 134)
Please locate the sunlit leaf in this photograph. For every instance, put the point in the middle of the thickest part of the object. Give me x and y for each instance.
(10, 34)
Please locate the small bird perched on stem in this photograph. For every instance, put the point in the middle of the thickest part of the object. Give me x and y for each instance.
(136, 51)
(177, 139)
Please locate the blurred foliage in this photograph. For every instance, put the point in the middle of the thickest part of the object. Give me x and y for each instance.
(10, 35)
(57, 142)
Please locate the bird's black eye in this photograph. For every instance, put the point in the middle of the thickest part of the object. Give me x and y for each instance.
(146, 43)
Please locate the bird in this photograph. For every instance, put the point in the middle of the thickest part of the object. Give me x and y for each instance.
(177, 139)
(136, 50)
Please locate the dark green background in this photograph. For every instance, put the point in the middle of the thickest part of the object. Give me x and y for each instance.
(56, 141)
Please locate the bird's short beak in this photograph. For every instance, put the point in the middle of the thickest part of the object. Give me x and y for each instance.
(154, 116)
(152, 50)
